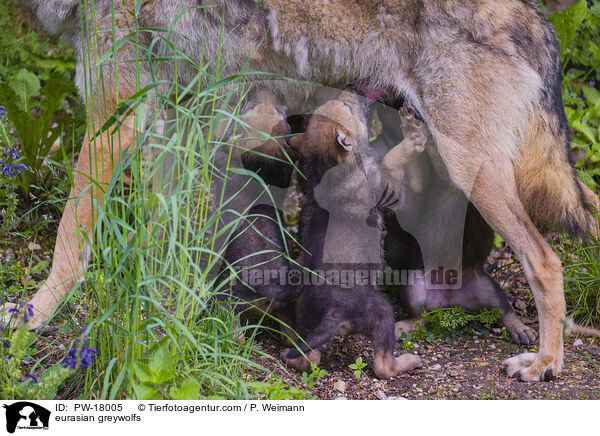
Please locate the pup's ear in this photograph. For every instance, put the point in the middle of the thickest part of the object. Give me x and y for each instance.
(344, 140)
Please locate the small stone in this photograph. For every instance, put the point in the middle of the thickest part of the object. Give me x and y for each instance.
(436, 367)
(340, 386)
(340, 398)
(453, 373)
(492, 346)
(578, 343)
(380, 395)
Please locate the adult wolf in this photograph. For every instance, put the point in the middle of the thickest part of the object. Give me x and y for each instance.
(484, 74)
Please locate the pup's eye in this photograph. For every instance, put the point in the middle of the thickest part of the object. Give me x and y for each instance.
(249, 107)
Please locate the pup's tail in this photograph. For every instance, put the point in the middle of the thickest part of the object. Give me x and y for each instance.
(548, 187)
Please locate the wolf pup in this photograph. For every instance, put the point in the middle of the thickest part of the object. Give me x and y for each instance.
(484, 74)
(259, 248)
(334, 142)
(426, 197)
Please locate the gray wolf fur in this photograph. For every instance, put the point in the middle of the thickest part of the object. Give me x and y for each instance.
(434, 211)
(484, 74)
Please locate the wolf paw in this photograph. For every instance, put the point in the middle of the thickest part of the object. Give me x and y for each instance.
(532, 367)
(10, 318)
(392, 366)
(404, 326)
(413, 143)
(301, 363)
(521, 334)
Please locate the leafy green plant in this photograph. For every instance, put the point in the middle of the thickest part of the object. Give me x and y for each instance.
(315, 375)
(454, 321)
(21, 46)
(32, 107)
(8, 168)
(278, 391)
(406, 342)
(158, 380)
(357, 366)
(18, 345)
(577, 30)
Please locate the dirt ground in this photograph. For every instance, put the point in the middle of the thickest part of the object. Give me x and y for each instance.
(463, 367)
(466, 368)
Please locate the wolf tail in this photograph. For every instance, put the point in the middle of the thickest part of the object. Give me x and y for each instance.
(546, 180)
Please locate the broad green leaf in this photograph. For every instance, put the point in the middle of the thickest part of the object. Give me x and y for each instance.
(592, 94)
(161, 364)
(189, 390)
(589, 132)
(142, 372)
(145, 391)
(26, 85)
(566, 23)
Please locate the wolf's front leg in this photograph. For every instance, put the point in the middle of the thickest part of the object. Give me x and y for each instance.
(97, 160)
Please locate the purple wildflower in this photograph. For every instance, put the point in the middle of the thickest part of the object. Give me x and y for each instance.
(27, 311)
(2, 112)
(12, 153)
(86, 357)
(86, 354)
(6, 344)
(26, 308)
(9, 169)
(1, 327)
(33, 377)
(70, 361)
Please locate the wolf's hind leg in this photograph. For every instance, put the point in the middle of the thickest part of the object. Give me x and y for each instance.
(494, 194)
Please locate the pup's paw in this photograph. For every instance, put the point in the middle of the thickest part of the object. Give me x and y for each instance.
(404, 326)
(414, 142)
(301, 363)
(521, 334)
(392, 366)
(408, 362)
(238, 336)
(532, 367)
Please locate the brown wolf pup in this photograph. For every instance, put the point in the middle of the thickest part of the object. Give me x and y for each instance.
(484, 74)
(334, 146)
(427, 202)
(258, 249)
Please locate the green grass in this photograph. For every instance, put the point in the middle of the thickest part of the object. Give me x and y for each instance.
(582, 283)
(151, 286)
(148, 296)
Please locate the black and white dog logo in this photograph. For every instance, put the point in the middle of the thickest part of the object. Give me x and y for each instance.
(26, 415)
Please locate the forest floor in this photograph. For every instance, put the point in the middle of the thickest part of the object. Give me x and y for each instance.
(462, 367)
(454, 367)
